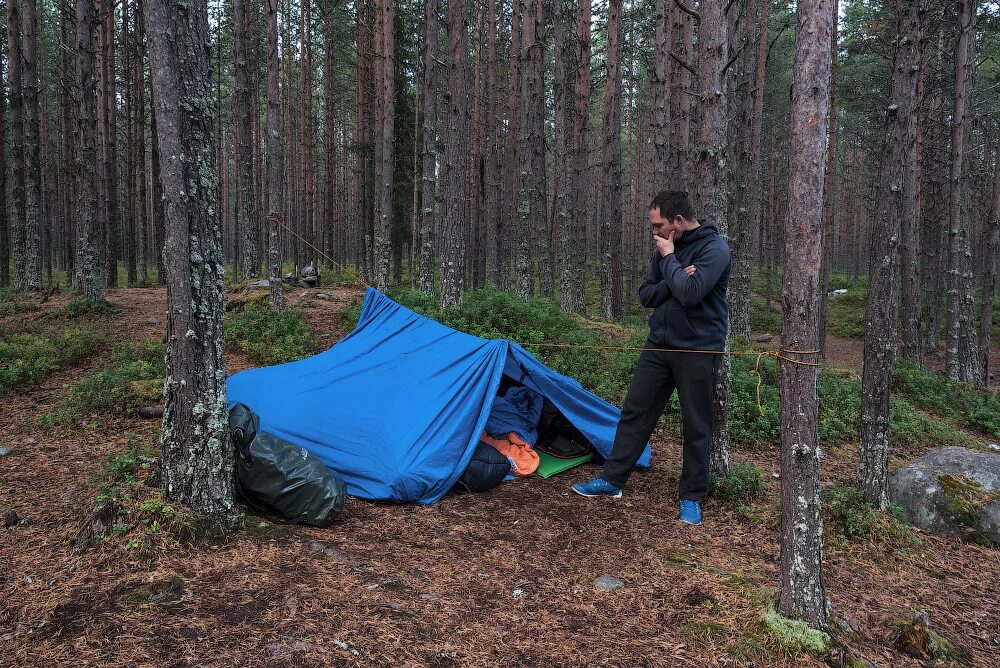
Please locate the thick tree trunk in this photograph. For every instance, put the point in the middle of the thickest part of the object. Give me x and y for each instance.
(246, 220)
(67, 37)
(829, 188)
(142, 206)
(15, 61)
(197, 460)
(756, 191)
(991, 259)
(662, 43)
(331, 219)
(571, 294)
(274, 159)
(883, 291)
(680, 103)
(611, 219)
(801, 592)
(522, 230)
(456, 184)
(542, 248)
(509, 198)
(493, 216)
(561, 181)
(129, 225)
(385, 69)
(32, 279)
(428, 180)
(4, 217)
(89, 276)
(708, 157)
(110, 116)
(962, 359)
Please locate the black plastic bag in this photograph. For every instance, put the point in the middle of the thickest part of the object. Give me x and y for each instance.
(282, 480)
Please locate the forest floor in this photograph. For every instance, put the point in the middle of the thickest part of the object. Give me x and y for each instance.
(505, 578)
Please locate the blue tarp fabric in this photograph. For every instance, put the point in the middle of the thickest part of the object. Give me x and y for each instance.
(518, 411)
(398, 405)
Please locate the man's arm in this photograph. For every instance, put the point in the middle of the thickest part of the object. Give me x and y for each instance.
(689, 288)
(653, 290)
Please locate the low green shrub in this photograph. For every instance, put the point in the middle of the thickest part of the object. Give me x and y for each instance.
(847, 516)
(744, 484)
(27, 358)
(121, 384)
(269, 337)
(933, 392)
(846, 315)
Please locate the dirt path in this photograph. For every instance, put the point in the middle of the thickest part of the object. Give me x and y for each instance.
(499, 579)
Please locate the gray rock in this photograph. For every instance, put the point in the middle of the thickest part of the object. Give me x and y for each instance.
(608, 583)
(763, 338)
(951, 491)
(154, 321)
(262, 283)
(5, 451)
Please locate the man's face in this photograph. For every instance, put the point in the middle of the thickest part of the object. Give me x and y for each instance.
(662, 227)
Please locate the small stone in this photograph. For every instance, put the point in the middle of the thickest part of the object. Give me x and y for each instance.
(776, 475)
(517, 593)
(5, 451)
(995, 447)
(763, 338)
(608, 583)
(11, 519)
(154, 321)
(322, 295)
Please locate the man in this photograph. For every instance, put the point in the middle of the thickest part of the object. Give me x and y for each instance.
(685, 283)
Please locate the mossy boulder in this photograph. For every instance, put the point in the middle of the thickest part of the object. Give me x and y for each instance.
(953, 492)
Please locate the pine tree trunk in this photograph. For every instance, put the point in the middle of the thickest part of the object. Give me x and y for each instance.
(542, 248)
(89, 276)
(571, 294)
(801, 592)
(662, 42)
(680, 103)
(561, 176)
(883, 289)
(140, 95)
(493, 216)
(456, 185)
(428, 181)
(332, 218)
(829, 188)
(274, 159)
(708, 157)
(756, 176)
(110, 111)
(962, 359)
(991, 259)
(15, 61)
(32, 152)
(246, 220)
(197, 459)
(522, 230)
(131, 196)
(911, 256)
(510, 197)
(4, 217)
(385, 69)
(67, 155)
(611, 219)
(306, 189)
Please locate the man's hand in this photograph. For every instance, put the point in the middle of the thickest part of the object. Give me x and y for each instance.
(690, 270)
(664, 245)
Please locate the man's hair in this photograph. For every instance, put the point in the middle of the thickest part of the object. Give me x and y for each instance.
(673, 203)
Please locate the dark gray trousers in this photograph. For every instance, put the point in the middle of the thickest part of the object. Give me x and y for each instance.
(656, 376)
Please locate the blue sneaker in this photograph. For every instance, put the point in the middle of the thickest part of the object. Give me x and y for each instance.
(690, 512)
(597, 487)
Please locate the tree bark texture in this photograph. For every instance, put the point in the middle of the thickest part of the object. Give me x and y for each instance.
(89, 276)
(15, 73)
(384, 69)
(961, 357)
(456, 185)
(32, 278)
(524, 276)
(991, 260)
(883, 289)
(197, 459)
(428, 180)
(274, 160)
(112, 221)
(801, 592)
(4, 215)
(571, 294)
(611, 218)
(246, 219)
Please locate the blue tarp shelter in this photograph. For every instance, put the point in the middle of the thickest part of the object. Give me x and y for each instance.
(398, 405)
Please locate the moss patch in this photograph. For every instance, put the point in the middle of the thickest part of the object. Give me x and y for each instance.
(795, 635)
(965, 497)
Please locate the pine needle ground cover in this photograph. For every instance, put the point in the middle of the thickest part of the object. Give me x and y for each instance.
(504, 578)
